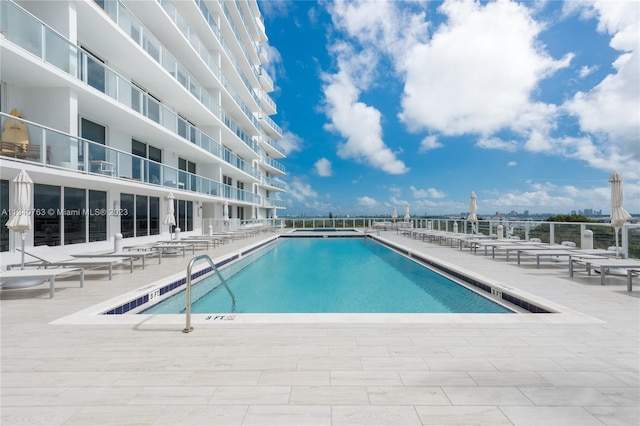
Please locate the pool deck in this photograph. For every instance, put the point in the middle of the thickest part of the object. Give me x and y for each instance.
(579, 367)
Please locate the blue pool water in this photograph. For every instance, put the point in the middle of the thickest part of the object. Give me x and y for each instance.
(330, 275)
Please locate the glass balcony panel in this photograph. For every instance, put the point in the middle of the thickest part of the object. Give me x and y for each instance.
(64, 150)
(170, 177)
(125, 93)
(169, 120)
(154, 172)
(109, 6)
(22, 29)
(153, 109)
(111, 84)
(182, 77)
(183, 178)
(124, 167)
(95, 74)
(129, 24)
(60, 53)
(136, 100)
(182, 127)
(151, 46)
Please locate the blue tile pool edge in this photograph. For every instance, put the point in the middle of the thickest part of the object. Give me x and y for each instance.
(499, 291)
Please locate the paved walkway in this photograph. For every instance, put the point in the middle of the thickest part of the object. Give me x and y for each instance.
(580, 367)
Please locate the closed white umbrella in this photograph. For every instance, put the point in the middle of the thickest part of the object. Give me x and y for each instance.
(406, 212)
(225, 213)
(21, 219)
(170, 218)
(473, 208)
(618, 214)
(275, 212)
(394, 214)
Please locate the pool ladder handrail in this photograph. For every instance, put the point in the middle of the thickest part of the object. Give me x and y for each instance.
(188, 328)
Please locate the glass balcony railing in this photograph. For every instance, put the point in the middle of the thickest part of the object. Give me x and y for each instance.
(212, 21)
(272, 124)
(53, 148)
(274, 183)
(29, 33)
(143, 37)
(183, 26)
(268, 100)
(273, 202)
(273, 143)
(271, 162)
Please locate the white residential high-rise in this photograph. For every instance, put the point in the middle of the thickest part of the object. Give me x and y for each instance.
(110, 105)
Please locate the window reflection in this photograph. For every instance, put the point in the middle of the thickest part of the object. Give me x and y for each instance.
(74, 216)
(46, 229)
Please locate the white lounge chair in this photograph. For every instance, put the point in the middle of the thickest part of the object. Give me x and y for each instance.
(51, 257)
(606, 266)
(34, 277)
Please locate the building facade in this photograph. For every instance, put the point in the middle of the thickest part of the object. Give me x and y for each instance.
(111, 105)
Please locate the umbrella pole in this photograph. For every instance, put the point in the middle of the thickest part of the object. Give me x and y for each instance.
(615, 230)
(22, 251)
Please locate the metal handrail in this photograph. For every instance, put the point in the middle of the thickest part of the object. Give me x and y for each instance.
(188, 328)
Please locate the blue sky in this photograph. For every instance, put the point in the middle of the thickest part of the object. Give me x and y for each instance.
(531, 105)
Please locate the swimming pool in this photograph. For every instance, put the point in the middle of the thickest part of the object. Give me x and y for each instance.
(330, 275)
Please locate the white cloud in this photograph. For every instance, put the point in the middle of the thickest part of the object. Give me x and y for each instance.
(585, 71)
(290, 142)
(496, 143)
(300, 190)
(612, 107)
(358, 123)
(365, 29)
(498, 41)
(366, 202)
(426, 193)
(323, 167)
(512, 164)
(429, 143)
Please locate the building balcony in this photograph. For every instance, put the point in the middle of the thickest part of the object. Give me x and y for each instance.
(271, 127)
(268, 104)
(265, 78)
(48, 147)
(273, 165)
(274, 184)
(272, 147)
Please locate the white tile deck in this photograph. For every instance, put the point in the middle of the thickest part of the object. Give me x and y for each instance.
(577, 367)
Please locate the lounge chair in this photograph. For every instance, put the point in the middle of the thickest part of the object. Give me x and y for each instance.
(51, 257)
(605, 265)
(141, 255)
(34, 277)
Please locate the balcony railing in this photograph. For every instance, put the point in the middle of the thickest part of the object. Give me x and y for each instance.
(273, 143)
(212, 21)
(183, 26)
(272, 124)
(273, 202)
(26, 31)
(53, 148)
(274, 183)
(271, 162)
(143, 37)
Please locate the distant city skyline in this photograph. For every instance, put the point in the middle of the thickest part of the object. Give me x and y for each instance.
(531, 105)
